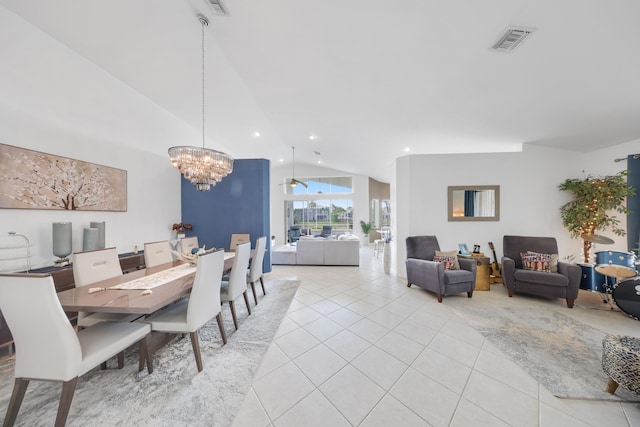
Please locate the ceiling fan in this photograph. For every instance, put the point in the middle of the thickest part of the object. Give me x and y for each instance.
(293, 182)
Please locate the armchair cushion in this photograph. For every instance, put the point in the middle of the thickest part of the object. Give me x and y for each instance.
(449, 262)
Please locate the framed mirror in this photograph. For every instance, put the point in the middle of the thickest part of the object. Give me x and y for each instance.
(473, 203)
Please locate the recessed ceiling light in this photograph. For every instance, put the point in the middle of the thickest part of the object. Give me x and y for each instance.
(319, 161)
(313, 137)
(281, 160)
(256, 134)
(407, 149)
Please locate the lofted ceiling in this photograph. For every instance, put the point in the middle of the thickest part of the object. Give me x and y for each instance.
(369, 79)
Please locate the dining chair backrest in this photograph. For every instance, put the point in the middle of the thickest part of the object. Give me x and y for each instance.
(46, 345)
(238, 274)
(94, 266)
(204, 300)
(237, 238)
(157, 253)
(188, 243)
(255, 272)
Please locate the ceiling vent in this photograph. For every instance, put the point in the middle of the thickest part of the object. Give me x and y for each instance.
(512, 38)
(218, 7)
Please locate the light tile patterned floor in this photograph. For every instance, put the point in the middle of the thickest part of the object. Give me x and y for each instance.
(359, 348)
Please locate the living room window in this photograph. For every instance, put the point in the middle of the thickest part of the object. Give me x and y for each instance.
(311, 215)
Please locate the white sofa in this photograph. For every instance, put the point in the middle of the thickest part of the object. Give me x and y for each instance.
(318, 252)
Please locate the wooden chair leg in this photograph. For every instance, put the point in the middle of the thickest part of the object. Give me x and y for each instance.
(246, 301)
(232, 306)
(121, 360)
(196, 349)
(253, 289)
(145, 355)
(470, 294)
(510, 292)
(19, 389)
(570, 303)
(103, 365)
(439, 297)
(262, 284)
(221, 327)
(68, 389)
(612, 386)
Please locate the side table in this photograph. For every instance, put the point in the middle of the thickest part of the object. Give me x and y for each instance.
(483, 271)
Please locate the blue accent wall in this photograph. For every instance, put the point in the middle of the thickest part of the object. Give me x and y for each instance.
(237, 204)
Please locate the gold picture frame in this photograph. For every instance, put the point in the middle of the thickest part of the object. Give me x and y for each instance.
(35, 180)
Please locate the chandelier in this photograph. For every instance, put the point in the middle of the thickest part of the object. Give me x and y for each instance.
(203, 167)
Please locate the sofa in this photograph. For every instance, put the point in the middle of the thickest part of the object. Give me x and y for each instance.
(318, 251)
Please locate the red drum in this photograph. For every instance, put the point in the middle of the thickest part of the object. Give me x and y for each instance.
(616, 264)
(627, 297)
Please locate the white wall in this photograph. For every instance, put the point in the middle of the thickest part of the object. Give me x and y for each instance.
(360, 196)
(55, 101)
(529, 197)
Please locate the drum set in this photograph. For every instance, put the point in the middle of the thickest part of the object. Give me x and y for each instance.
(614, 273)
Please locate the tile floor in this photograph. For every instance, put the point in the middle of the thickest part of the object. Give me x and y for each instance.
(359, 348)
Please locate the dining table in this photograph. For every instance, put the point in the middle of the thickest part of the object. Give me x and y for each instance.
(140, 292)
(143, 291)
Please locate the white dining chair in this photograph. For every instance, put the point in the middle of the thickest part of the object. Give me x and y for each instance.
(203, 304)
(237, 284)
(94, 266)
(48, 348)
(237, 238)
(187, 244)
(255, 271)
(157, 253)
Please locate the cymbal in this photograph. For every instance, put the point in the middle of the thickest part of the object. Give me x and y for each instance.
(596, 238)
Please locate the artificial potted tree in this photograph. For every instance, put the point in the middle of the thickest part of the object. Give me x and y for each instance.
(590, 210)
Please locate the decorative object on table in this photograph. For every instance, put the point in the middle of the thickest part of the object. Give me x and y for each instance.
(476, 249)
(101, 232)
(192, 257)
(593, 199)
(181, 229)
(62, 248)
(203, 167)
(15, 253)
(90, 239)
(135, 249)
(36, 180)
(463, 249)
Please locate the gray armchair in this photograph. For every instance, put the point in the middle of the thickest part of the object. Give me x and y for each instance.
(432, 276)
(564, 283)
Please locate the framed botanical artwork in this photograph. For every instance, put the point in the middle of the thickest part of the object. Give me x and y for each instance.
(35, 180)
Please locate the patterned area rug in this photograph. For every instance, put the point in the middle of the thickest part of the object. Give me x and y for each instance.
(175, 394)
(562, 354)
